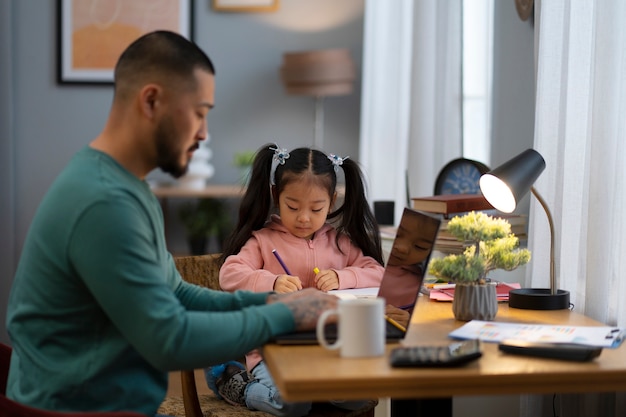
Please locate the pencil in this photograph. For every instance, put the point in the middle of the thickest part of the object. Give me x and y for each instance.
(280, 261)
(395, 323)
(316, 270)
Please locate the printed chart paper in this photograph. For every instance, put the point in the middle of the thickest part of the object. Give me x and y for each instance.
(489, 331)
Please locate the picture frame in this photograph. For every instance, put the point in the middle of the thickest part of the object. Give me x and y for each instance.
(92, 35)
(247, 6)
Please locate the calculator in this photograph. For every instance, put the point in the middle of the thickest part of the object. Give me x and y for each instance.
(453, 354)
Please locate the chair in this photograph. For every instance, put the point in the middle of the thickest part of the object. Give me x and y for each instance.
(10, 408)
(203, 270)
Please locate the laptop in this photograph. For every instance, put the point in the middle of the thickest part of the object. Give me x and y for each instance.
(400, 286)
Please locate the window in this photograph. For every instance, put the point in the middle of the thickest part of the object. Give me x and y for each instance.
(477, 78)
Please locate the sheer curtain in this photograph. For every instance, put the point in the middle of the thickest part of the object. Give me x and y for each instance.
(580, 130)
(411, 111)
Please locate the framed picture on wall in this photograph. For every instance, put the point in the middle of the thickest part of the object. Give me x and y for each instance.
(245, 5)
(93, 34)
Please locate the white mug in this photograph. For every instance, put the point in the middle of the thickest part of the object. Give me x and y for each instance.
(361, 327)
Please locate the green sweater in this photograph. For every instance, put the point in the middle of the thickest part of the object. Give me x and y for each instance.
(98, 313)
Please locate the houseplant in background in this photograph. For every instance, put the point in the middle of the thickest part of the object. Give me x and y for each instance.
(204, 218)
(490, 246)
(243, 161)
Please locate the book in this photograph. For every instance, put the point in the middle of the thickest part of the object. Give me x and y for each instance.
(446, 292)
(451, 203)
(448, 243)
(515, 220)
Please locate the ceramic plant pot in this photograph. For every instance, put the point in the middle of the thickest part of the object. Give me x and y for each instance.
(474, 302)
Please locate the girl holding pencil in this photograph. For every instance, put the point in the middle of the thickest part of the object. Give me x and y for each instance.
(289, 236)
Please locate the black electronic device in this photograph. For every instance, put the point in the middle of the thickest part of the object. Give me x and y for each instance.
(563, 351)
(453, 354)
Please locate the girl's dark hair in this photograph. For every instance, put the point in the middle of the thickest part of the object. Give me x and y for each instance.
(353, 219)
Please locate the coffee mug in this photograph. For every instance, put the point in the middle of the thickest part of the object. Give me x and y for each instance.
(361, 327)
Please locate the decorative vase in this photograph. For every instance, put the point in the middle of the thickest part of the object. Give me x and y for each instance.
(474, 302)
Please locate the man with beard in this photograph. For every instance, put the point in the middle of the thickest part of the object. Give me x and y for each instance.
(97, 313)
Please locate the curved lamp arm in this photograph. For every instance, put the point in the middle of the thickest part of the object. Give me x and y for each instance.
(551, 224)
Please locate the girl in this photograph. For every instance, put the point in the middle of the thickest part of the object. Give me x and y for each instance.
(347, 254)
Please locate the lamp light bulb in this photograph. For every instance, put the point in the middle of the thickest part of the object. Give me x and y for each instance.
(497, 193)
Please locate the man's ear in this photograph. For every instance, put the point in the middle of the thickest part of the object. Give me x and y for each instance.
(149, 100)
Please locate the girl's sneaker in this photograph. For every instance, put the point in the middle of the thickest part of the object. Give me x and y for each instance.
(228, 381)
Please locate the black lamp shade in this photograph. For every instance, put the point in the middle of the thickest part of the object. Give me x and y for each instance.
(518, 174)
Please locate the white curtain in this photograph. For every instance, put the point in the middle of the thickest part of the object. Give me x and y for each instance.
(580, 129)
(411, 104)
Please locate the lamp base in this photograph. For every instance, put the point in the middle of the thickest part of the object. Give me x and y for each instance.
(538, 299)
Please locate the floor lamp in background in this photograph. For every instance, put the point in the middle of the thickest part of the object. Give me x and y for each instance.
(320, 73)
(503, 187)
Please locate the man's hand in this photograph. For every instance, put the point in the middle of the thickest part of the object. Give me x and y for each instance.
(327, 280)
(306, 306)
(287, 283)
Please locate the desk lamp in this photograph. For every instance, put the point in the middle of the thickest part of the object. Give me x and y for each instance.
(320, 73)
(504, 187)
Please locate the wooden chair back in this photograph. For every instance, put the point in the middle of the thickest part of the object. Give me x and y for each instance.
(202, 270)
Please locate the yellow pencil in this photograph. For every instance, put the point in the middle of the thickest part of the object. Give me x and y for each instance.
(316, 270)
(395, 323)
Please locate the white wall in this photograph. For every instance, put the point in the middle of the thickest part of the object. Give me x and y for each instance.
(7, 227)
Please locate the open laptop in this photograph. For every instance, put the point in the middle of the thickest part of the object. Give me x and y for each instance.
(403, 276)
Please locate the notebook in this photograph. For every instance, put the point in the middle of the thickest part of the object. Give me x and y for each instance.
(402, 279)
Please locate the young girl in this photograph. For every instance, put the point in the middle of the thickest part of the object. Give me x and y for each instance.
(301, 184)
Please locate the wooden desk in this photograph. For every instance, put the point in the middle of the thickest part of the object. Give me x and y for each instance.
(304, 373)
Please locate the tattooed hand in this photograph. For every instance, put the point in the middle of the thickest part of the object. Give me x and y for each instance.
(305, 305)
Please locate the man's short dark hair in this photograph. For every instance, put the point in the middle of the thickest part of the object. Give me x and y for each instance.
(159, 55)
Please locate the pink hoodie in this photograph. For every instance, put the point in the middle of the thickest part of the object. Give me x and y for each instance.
(255, 268)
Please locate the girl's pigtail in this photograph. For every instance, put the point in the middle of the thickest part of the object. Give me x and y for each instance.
(255, 205)
(357, 219)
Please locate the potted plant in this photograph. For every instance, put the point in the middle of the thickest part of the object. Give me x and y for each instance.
(491, 245)
(203, 218)
(243, 161)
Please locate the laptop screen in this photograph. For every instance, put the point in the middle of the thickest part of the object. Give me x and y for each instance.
(408, 260)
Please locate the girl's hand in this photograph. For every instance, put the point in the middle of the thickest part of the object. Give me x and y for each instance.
(287, 283)
(327, 280)
(397, 314)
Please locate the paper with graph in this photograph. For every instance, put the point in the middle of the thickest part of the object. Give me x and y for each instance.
(490, 331)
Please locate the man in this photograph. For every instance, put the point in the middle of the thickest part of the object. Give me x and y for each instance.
(98, 313)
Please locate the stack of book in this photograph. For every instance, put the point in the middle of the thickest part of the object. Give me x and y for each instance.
(450, 205)
(447, 243)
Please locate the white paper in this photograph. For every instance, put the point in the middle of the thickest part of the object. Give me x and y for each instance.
(370, 292)
(489, 331)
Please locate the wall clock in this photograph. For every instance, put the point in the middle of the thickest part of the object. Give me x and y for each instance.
(460, 176)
